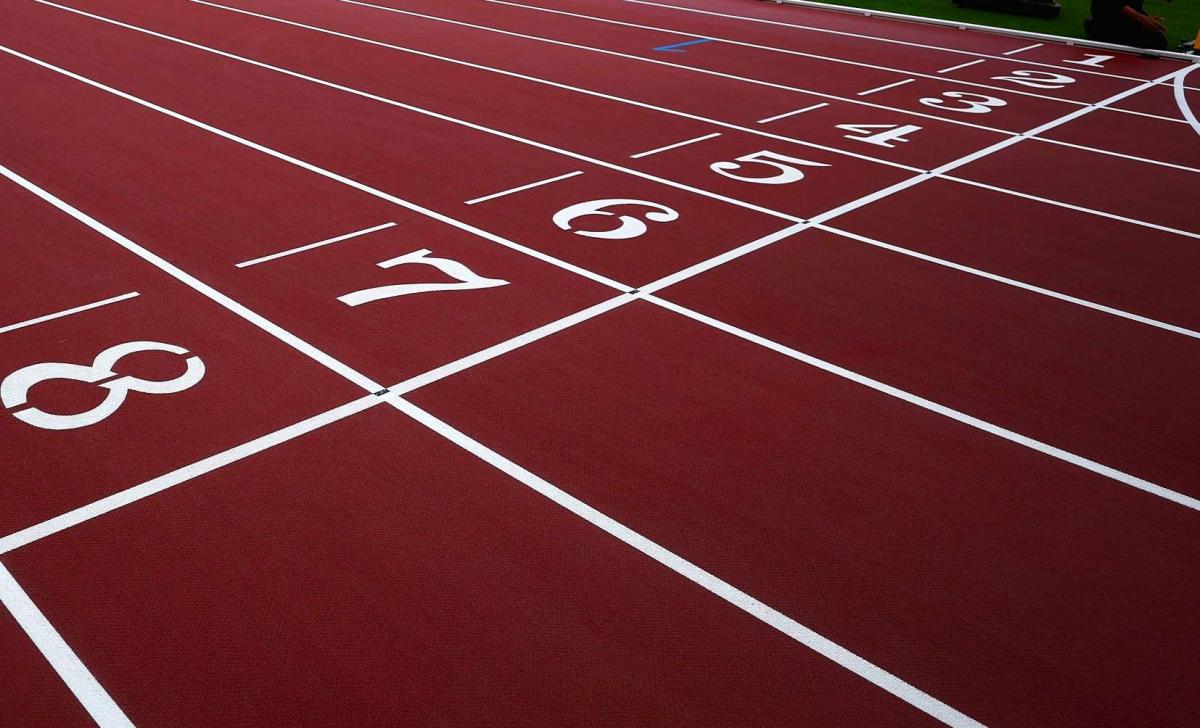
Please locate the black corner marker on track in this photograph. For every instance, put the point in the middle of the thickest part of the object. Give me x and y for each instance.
(381, 392)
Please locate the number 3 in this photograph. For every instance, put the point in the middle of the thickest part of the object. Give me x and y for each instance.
(787, 167)
(983, 104)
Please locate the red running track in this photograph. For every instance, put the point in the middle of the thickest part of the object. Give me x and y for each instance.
(366, 363)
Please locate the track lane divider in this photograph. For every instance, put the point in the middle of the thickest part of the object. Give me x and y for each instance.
(68, 312)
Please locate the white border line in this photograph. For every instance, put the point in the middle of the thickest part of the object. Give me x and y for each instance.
(522, 188)
(885, 87)
(786, 114)
(80, 681)
(676, 145)
(968, 64)
(68, 312)
(816, 642)
(313, 246)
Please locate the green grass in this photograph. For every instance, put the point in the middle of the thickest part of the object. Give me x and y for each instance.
(1182, 16)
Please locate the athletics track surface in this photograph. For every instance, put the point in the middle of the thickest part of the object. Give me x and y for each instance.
(599, 362)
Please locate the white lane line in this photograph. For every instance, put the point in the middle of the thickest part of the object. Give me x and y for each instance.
(786, 114)
(1121, 155)
(1068, 206)
(68, 312)
(876, 90)
(676, 145)
(522, 188)
(713, 262)
(818, 643)
(1054, 452)
(319, 170)
(199, 286)
(136, 493)
(580, 90)
(313, 246)
(773, 49)
(880, 39)
(1012, 282)
(431, 114)
(1181, 100)
(961, 66)
(505, 347)
(80, 681)
(1022, 50)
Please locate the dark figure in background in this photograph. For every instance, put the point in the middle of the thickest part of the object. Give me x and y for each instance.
(1124, 22)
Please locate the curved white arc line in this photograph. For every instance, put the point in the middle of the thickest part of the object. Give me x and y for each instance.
(1181, 99)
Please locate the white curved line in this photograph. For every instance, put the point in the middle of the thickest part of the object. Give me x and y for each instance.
(1181, 99)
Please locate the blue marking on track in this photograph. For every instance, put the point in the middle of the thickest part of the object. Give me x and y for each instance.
(674, 47)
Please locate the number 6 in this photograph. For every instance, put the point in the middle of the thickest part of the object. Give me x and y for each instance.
(786, 166)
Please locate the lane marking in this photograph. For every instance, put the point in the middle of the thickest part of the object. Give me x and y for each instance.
(522, 188)
(68, 312)
(743, 79)
(675, 47)
(868, 92)
(1181, 100)
(431, 114)
(1022, 50)
(786, 51)
(814, 641)
(1069, 206)
(676, 145)
(961, 66)
(1012, 282)
(121, 498)
(786, 114)
(319, 170)
(199, 286)
(1121, 155)
(313, 246)
(79, 680)
(1028, 442)
(881, 39)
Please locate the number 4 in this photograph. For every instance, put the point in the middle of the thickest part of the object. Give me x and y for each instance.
(891, 133)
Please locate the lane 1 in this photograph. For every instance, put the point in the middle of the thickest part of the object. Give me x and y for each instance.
(967, 564)
(401, 581)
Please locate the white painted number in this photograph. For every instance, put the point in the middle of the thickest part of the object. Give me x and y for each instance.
(467, 279)
(14, 391)
(787, 167)
(630, 227)
(890, 133)
(971, 103)
(1036, 79)
(1094, 60)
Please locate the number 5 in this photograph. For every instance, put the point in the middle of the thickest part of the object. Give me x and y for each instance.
(787, 167)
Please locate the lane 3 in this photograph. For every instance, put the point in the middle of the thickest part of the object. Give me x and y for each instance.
(421, 586)
(1018, 588)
